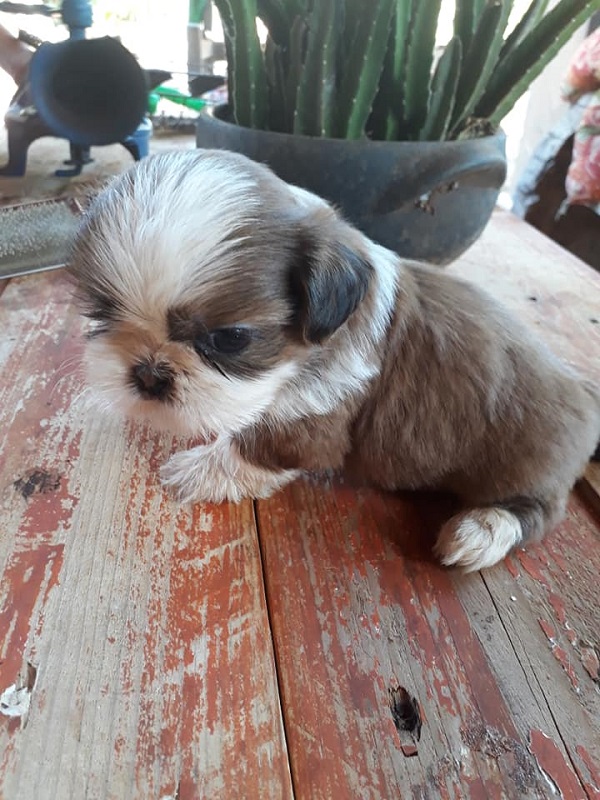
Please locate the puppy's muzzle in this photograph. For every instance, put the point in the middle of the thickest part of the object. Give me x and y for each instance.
(153, 381)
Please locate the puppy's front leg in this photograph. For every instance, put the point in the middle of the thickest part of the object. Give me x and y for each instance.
(217, 472)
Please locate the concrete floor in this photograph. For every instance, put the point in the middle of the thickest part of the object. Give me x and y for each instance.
(47, 154)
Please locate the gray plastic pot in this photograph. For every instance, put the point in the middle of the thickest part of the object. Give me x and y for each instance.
(425, 200)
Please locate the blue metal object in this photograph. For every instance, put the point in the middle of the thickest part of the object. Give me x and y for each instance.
(88, 91)
(77, 16)
(138, 143)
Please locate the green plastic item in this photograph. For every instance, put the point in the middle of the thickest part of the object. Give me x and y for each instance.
(196, 11)
(175, 96)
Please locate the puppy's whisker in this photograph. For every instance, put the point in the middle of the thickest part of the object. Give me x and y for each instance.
(60, 382)
(214, 364)
(68, 363)
(85, 402)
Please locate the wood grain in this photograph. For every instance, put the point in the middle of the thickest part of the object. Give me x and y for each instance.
(357, 609)
(503, 664)
(548, 288)
(350, 618)
(305, 646)
(146, 622)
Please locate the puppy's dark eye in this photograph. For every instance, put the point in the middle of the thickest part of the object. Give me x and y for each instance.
(230, 341)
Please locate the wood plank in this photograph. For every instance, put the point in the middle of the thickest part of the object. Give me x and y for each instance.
(357, 608)
(546, 598)
(145, 622)
(501, 663)
(547, 287)
(558, 295)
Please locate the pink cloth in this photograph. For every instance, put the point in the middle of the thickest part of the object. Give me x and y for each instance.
(583, 77)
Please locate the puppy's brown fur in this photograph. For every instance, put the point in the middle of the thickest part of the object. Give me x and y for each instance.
(465, 401)
(412, 377)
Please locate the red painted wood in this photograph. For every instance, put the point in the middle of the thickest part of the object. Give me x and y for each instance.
(358, 607)
(146, 621)
(148, 627)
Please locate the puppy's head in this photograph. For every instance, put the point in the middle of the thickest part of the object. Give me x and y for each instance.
(210, 283)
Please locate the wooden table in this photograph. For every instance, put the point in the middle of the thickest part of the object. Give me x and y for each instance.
(290, 647)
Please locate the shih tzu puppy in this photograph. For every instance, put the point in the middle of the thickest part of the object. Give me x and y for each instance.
(234, 308)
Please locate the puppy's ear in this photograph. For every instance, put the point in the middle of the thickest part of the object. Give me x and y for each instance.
(328, 281)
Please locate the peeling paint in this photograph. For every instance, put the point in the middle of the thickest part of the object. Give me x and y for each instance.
(553, 765)
(154, 617)
(14, 702)
(159, 675)
(591, 662)
(593, 770)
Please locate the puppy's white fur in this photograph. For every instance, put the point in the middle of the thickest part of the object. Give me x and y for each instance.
(479, 538)
(229, 404)
(425, 380)
(352, 364)
(216, 472)
(150, 255)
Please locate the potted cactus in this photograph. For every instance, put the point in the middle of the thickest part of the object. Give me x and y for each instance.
(351, 99)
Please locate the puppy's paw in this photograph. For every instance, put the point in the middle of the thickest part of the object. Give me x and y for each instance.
(478, 538)
(196, 475)
(216, 472)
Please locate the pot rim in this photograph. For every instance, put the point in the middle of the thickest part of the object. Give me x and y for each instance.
(497, 139)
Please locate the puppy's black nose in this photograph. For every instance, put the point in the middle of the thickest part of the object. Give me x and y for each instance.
(153, 381)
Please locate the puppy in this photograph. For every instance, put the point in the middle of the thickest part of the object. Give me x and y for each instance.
(232, 307)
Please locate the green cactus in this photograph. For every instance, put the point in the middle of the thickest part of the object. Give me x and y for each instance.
(362, 70)
(528, 21)
(417, 72)
(443, 92)
(515, 72)
(357, 68)
(279, 16)
(466, 19)
(278, 107)
(392, 90)
(251, 85)
(314, 109)
(480, 58)
(295, 70)
(250, 78)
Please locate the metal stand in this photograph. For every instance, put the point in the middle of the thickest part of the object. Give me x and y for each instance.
(24, 126)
